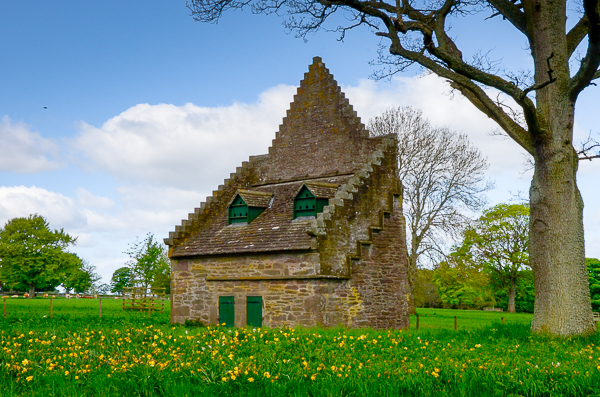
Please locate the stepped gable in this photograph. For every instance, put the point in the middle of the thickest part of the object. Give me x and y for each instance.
(321, 134)
(346, 266)
(320, 138)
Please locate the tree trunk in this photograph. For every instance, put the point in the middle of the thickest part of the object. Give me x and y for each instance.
(31, 291)
(557, 249)
(511, 296)
(412, 270)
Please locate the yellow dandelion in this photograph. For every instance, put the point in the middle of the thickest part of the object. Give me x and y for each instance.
(434, 374)
(29, 378)
(313, 377)
(250, 380)
(232, 377)
(66, 373)
(224, 379)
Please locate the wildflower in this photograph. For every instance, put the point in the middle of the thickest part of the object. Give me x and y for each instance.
(232, 377)
(224, 379)
(313, 377)
(267, 375)
(250, 380)
(66, 373)
(29, 378)
(478, 345)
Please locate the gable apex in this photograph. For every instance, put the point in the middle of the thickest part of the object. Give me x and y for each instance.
(321, 134)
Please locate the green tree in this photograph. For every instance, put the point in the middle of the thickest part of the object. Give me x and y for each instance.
(149, 265)
(425, 291)
(593, 266)
(525, 296)
(121, 278)
(535, 108)
(81, 279)
(32, 255)
(499, 240)
(461, 283)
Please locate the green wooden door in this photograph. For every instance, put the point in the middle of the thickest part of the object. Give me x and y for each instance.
(254, 311)
(227, 310)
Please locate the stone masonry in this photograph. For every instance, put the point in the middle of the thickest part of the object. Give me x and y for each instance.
(345, 266)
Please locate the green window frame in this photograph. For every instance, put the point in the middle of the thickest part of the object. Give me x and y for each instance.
(306, 204)
(227, 310)
(254, 313)
(238, 211)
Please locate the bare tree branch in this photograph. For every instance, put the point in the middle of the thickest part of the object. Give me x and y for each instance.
(442, 174)
(589, 64)
(577, 34)
(513, 13)
(584, 152)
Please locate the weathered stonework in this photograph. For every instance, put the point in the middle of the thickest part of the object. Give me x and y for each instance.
(347, 266)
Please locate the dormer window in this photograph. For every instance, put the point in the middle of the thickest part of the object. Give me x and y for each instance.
(247, 205)
(238, 211)
(312, 198)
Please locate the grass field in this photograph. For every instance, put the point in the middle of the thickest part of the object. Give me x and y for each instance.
(76, 353)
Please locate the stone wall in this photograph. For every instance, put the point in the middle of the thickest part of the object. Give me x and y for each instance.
(288, 300)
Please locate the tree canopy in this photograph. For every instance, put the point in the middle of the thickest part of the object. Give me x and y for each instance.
(593, 266)
(34, 256)
(462, 283)
(535, 108)
(149, 266)
(499, 240)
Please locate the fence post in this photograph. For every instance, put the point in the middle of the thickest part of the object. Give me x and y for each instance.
(100, 307)
(455, 323)
(417, 321)
(51, 308)
(4, 299)
(502, 320)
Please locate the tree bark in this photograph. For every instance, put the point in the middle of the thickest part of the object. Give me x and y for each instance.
(31, 291)
(557, 247)
(511, 296)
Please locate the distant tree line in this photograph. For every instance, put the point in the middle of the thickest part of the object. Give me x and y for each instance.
(490, 267)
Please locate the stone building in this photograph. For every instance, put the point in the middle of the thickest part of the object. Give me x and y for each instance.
(311, 233)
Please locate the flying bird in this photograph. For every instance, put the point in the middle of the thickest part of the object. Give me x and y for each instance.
(45, 107)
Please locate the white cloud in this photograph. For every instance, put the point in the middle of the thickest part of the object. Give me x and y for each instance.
(59, 210)
(24, 151)
(182, 145)
(86, 199)
(432, 95)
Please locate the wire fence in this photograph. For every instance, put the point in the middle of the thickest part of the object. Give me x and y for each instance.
(65, 306)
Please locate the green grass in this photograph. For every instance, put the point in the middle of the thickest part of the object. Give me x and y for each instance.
(78, 354)
(465, 319)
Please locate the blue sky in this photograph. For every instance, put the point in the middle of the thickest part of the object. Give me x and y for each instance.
(148, 111)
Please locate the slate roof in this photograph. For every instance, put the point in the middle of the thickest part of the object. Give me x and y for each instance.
(254, 198)
(322, 190)
(273, 230)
